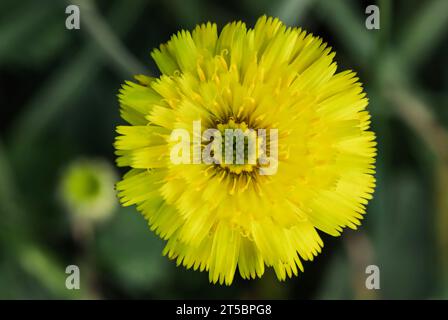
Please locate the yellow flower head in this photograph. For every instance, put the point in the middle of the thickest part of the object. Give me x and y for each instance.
(217, 216)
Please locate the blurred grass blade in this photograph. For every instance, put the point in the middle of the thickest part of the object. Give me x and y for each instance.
(47, 271)
(12, 214)
(349, 28)
(292, 11)
(58, 93)
(67, 83)
(420, 117)
(19, 25)
(21, 245)
(442, 220)
(424, 32)
(188, 14)
(102, 35)
(386, 22)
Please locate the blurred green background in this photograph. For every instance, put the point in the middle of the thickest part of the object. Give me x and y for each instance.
(58, 105)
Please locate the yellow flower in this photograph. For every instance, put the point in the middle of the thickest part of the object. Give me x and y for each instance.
(218, 217)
